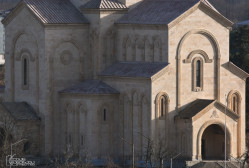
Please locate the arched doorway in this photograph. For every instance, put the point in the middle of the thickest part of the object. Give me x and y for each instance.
(213, 143)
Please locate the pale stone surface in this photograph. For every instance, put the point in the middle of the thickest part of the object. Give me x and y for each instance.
(63, 55)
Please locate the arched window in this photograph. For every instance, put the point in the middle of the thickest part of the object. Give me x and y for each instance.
(197, 74)
(235, 103)
(25, 72)
(162, 106)
(162, 103)
(234, 100)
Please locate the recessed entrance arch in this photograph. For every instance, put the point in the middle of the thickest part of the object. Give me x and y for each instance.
(211, 141)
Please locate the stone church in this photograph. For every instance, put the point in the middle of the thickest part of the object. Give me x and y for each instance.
(87, 73)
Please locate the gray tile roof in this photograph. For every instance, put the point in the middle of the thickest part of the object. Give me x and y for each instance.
(159, 11)
(91, 87)
(103, 4)
(8, 4)
(56, 11)
(20, 110)
(193, 108)
(134, 69)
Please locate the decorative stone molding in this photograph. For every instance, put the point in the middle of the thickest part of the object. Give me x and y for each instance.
(12, 64)
(158, 105)
(66, 57)
(235, 95)
(203, 128)
(214, 114)
(201, 52)
(179, 56)
(231, 95)
(157, 45)
(26, 52)
(143, 44)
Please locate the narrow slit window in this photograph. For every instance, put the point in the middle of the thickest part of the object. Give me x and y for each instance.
(104, 114)
(162, 109)
(25, 72)
(234, 104)
(198, 73)
(82, 140)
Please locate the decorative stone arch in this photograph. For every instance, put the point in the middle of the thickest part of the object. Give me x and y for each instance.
(229, 100)
(135, 101)
(203, 128)
(81, 132)
(202, 53)
(194, 80)
(163, 134)
(33, 58)
(157, 110)
(127, 42)
(23, 52)
(148, 49)
(66, 109)
(230, 103)
(140, 46)
(212, 38)
(79, 107)
(157, 44)
(109, 111)
(79, 49)
(109, 46)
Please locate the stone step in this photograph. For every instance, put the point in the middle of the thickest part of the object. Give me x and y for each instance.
(212, 164)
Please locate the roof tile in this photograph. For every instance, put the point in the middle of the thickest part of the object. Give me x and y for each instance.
(159, 11)
(20, 110)
(134, 69)
(193, 108)
(56, 11)
(103, 4)
(91, 87)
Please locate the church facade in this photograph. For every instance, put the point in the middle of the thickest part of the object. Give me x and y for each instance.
(87, 74)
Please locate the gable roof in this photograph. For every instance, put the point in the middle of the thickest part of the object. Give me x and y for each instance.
(163, 12)
(196, 107)
(91, 87)
(103, 4)
(134, 69)
(20, 110)
(193, 108)
(53, 11)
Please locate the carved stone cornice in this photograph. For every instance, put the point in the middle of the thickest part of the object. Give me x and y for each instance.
(236, 71)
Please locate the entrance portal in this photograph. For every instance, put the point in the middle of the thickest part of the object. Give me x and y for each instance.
(213, 143)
